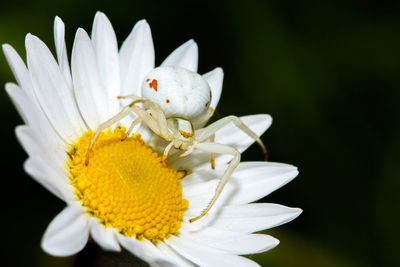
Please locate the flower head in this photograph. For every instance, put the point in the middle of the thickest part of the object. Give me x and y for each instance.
(128, 196)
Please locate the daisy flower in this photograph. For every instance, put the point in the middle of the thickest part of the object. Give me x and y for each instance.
(127, 196)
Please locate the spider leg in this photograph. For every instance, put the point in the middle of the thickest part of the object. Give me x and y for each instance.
(212, 159)
(147, 118)
(204, 133)
(142, 116)
(222, 149)
(155, 110)
(187, 152)
(158, 114)
(155, 113)
(155, 119)
(166, 151)
(133, 97)
(123, 113)
(133, 124)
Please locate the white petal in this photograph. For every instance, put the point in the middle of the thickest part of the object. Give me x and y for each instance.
(229, 135)
(135, 247)
(20, 100)
(61, 50)
(19, 70)
(186, 56)
(90, 93)
(159, 258)
(215, 79)
(67, 234)
(24, 98)
(51, 90)
(41, 149)
(232, 136)
(146, 251)
(206, 256)
(248, 183)
(106, 49)
(104, 236)
(247, 218)
(32, 116)
(261, 181)
(177, 259)
(233, 242)
(136, 59)
(47, 178)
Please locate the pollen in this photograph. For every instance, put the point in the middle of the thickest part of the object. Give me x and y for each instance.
(127, 185)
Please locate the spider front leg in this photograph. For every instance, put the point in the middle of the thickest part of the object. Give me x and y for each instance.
(133, 97)
(221, 149)
(158, 126)
(133, 124)
(166, 151)
(124, 112)
(212, 159)
(207, 132)
(154, 109)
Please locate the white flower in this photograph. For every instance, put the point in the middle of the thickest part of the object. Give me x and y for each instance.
(59, 106)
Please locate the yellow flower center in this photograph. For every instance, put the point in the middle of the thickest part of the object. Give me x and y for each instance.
(126, 185)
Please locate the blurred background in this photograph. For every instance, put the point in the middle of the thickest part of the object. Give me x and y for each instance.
(327, 72)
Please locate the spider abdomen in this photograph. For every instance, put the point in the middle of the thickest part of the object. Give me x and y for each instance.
(179, 92)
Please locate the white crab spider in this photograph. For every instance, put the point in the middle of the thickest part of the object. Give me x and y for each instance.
(176, 103)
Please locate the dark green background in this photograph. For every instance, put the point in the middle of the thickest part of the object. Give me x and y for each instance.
(327, 72)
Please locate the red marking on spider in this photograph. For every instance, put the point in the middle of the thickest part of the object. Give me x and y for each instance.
(153, 84)
(210, 94)
(167, 101)
(147, 80)
(207, 103)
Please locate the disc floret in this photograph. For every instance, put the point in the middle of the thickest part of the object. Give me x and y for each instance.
(127, 185)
